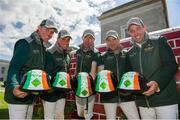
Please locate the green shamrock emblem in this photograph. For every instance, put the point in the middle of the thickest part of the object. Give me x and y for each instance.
(62, 82)
(127, 83)
(84, 92)
(103, 85)
(35, 82)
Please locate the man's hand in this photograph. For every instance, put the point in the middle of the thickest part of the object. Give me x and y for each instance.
(18, 93)
(153, 86)
(93, 75)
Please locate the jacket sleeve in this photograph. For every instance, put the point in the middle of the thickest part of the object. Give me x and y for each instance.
(20, 56)
(49, 63)
(168, 64)
(99, 59)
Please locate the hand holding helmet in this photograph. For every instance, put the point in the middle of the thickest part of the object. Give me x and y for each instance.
(18, 93)
(132, 82)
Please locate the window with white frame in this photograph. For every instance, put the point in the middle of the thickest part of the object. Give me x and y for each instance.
(124, 31)
(3, 70)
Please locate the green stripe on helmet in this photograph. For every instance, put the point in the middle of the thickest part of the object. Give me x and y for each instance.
(98, 82)
(79, 85)
(56, 80)
(28, 80)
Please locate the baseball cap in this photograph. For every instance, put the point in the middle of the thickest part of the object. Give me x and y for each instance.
(63, 34)
(112, 33)
(49, 24)
(88, 32)
(135, 21)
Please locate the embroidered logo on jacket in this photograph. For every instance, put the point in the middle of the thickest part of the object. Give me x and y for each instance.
(123, 56)
(58, 59)
(35, 51)
(132, 54)
(148, 48)
(88, 56)
(109, 58)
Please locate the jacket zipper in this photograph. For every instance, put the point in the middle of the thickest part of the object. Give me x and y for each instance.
(87, 106)
(82, 61)
(63, 53)
(140, 60)
(117, 66)
(42, 55)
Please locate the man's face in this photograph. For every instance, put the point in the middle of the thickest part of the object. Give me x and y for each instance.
(88, 41)
(112, 43)
(45, 33)
(64, 42)
(137, 33)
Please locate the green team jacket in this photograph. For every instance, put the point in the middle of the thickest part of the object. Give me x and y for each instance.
(155, 60)
(118, 64)
(29, 53)
(84, 60)
(58, 60)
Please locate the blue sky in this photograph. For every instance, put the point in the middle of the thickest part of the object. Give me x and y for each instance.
(20, 18)
(173, 12)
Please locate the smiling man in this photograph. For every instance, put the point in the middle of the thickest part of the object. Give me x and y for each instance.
(29, 54)
(87, 60)
(153, 58)
(58, 60)
(115, 60)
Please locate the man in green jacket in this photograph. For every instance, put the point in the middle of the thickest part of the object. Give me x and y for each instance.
(58, 60)
(153, 58)
(115, 60)
(87, 60)
(29, 54)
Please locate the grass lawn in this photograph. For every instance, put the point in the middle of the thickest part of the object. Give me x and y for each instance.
(3, 107)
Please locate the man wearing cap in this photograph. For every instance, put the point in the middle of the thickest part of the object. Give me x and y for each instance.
(29, 53)
(58, 60)
(87, 58)
(115, 60)
(152, 57)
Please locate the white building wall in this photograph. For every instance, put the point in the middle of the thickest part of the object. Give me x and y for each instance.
(3, 69)
(152, 14)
